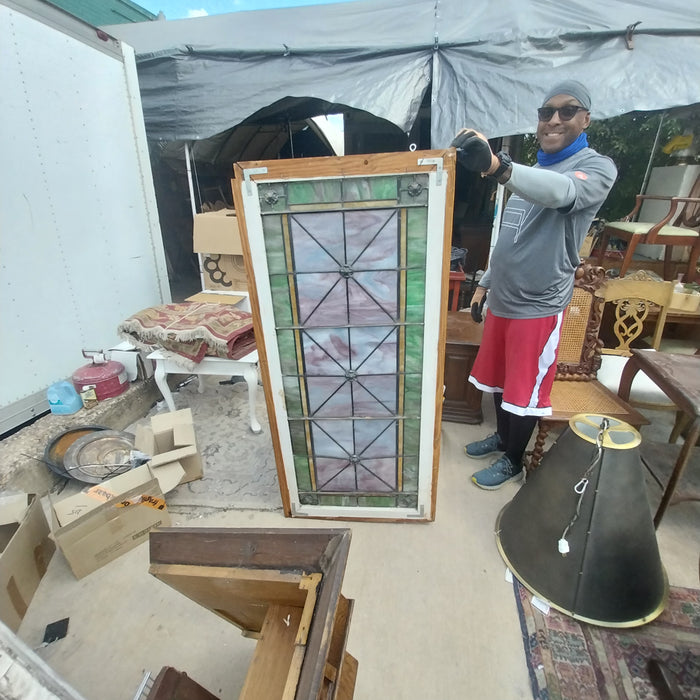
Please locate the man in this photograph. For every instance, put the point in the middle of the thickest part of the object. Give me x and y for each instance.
(530, 276)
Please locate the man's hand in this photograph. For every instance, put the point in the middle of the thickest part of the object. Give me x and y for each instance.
(474, 152)
(476, 305)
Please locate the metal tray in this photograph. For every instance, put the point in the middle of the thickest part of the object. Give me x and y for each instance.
(55, 451)
(99, 456)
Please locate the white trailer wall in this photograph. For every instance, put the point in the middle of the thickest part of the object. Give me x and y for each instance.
(80, 242)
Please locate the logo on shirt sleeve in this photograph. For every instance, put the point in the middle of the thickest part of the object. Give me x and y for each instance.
(580, 175)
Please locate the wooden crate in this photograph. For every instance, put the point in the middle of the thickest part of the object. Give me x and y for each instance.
(281, 587)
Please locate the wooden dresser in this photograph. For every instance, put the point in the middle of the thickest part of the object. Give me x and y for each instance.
(462, 402)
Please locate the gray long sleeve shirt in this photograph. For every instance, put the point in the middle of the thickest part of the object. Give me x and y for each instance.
(531, 269)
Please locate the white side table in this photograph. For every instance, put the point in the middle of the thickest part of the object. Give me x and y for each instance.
(247, 367)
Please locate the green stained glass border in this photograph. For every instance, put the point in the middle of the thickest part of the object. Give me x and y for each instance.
(407, 194)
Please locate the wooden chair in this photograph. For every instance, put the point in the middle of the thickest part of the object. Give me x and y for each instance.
(633, 300)
(576, 388)
(675, 229)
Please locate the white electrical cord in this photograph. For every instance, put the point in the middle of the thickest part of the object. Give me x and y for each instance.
(582, 484)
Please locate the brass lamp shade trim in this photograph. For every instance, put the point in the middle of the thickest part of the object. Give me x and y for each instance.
(618, 436)
(600, 623)
(579, 533)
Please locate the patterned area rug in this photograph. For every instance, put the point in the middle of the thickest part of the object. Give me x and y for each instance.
(571, 660)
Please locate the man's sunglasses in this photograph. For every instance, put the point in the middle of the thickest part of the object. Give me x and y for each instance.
(566, 113)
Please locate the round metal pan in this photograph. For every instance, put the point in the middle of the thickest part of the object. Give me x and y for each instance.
(56, 449)
(99, 456)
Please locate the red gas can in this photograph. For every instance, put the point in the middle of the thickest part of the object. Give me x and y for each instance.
(108, 378)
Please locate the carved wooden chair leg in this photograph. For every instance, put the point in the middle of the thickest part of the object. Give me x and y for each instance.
(538, 449)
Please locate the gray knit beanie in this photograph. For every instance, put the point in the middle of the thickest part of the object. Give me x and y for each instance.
(573, 88)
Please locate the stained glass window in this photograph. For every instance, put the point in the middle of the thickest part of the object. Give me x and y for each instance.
(345, 266)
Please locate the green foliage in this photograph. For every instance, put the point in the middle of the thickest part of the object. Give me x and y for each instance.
(628, 140)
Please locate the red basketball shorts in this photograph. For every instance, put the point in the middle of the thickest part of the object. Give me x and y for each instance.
(518, 358)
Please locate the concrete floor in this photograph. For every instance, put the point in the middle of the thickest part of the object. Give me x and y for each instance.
(434, 616)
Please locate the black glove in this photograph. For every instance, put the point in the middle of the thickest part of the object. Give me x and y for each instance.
(472, 151)
(477, 310)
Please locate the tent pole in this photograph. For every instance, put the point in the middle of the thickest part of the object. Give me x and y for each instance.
(190, 184)
(498, 204)
(497, 214)
(647, 174)
(291, 136)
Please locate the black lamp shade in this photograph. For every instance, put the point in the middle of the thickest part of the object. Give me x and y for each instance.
(612, 574)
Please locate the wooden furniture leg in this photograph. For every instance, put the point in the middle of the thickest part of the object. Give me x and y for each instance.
(629, 254)
(663, 680)
(683, 457)
(171, 684)
(538, 449)
(680, 424)
(247, 367)
(161, 377)
(250, 374)
(677, 376)
(603, 243)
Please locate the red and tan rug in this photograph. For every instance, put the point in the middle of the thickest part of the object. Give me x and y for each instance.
(571, 660)
(192, 330)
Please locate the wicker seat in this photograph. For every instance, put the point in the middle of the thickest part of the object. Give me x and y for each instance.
(576, 388)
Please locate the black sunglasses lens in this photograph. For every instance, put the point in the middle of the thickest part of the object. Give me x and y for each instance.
(566, 113)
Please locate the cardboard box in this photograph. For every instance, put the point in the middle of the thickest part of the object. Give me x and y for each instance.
(685, 301)
(135, 361)
(25, 552)
(171, 442)
(224, 273)
(217, 232)
(102, 522)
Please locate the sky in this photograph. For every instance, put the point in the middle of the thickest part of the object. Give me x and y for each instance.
(182, 9)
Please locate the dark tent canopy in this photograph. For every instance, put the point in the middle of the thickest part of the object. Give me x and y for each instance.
(488, 62)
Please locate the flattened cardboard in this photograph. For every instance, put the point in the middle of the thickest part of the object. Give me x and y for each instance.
(216, 298)
(103, 533)
(217, 232)
(25, 552)
(171, 443)
(223, 272)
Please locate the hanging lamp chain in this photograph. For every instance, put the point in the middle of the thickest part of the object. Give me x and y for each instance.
(582, 485)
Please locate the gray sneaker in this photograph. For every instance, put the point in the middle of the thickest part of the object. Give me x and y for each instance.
(500, 472)
(490, 445)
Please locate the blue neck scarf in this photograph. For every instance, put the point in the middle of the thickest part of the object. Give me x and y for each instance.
(552, 158)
